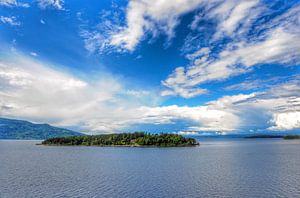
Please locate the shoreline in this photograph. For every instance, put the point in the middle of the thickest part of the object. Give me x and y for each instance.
(127, 146)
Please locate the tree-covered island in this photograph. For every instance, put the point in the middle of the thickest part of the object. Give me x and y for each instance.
(292, 137)
(124, 139)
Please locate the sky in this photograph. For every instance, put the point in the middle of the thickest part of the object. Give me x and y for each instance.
(183, 66)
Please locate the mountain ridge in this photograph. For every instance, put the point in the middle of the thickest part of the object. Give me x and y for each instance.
(22, 129)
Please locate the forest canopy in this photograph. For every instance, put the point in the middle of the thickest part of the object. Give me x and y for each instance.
(124, 139)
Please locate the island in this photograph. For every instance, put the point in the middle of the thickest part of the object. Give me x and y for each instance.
(137, 139)
(291, 137)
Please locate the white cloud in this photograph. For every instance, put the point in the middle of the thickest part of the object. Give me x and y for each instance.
(12, 3)
(56, 4)
(205, 118)
(42, 21)
(279, 47)
(275, 109)
(35, 91)
(187, 133)
(10, 20)
(286, 121)
(151, 16)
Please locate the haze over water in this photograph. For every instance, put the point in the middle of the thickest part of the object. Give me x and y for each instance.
(217, 168)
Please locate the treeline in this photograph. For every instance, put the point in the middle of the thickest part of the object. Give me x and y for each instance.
(124, 139)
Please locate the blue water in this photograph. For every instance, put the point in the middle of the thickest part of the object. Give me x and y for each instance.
(222, 168)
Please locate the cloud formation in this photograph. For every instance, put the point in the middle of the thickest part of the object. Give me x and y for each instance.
(35, 91)
(275, 109)
(286, 121)
(241, 33)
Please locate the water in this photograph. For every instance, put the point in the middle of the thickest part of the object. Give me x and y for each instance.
(223, 168)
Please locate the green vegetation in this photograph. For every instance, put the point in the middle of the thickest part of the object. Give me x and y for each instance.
(20, 129)
(291, 137)
(125, 139)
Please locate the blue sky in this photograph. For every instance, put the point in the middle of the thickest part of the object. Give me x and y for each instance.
(185, 66)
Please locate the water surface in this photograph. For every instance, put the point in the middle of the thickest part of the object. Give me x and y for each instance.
(221, 168)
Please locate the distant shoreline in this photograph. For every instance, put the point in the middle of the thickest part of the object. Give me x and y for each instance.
(264, 136)
(285, 137)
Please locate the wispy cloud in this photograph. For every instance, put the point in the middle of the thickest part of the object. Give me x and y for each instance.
(252, 83)
(278, 43)
(55, 4)
(246, 85)
(96, 39)
(142, 18)
(33, 54)
(10, 20)
(235, 17)
(13, 3)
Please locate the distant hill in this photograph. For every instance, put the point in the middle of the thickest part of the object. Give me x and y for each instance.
(20, 129)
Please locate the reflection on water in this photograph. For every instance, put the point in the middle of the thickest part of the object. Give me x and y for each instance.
(222, 168)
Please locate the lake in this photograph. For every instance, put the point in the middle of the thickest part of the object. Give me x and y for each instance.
(217, 168)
